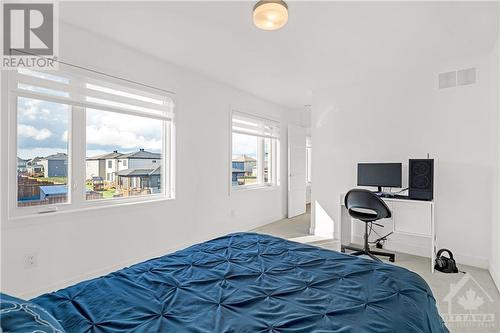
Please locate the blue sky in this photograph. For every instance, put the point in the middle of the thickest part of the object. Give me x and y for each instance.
(244, 145)
(43, 128)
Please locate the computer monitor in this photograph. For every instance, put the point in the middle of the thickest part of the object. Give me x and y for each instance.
(379, 175)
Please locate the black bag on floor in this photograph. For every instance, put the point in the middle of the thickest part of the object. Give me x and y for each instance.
(445, 264)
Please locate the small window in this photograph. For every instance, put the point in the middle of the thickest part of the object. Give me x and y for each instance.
(110, 164)
(254, 153)
(124, 163)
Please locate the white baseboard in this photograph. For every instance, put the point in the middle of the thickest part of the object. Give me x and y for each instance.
(495, 276)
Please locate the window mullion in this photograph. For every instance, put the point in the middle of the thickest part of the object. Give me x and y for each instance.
(77, 156)
(260, 161)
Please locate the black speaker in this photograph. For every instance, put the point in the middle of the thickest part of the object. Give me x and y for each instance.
(421, 180)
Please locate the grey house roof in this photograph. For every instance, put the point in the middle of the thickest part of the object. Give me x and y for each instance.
(142, 154)
(114, 154)
(58, 157)
(138, 172)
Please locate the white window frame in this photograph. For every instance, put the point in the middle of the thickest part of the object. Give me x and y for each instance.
(308, 160)
(275, 150)
(77, 146)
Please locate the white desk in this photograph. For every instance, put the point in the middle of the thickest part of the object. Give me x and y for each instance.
(412, 223)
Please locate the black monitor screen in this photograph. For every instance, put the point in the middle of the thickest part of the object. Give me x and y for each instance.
(379, 174)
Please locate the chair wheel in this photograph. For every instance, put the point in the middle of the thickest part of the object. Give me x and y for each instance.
(391, 259)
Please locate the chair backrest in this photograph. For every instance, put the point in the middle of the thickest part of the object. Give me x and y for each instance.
(366, 206)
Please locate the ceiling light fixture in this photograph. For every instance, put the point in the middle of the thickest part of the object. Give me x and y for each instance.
(270, 14)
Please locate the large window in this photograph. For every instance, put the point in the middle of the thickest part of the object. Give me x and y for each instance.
(85, 140)
(254, 151)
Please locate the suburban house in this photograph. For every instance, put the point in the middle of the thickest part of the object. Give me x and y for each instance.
(97, 165)
(22, 165)
(244, 163)
(107, 165)
(55, 165)
(237, 174)
(139, 180)
(139, 160)
(34, 168)
(243, 166)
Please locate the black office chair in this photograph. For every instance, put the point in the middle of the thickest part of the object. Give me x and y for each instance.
(365, 206)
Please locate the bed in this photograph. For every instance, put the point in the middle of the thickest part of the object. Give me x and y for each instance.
(249, 283)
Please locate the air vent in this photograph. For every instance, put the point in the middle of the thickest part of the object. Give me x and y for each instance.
(447, 80)
(461, 77)
(466, 76)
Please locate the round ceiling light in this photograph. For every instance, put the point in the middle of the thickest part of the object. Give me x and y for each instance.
(270, 14)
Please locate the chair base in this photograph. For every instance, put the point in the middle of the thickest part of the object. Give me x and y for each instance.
(372, 254)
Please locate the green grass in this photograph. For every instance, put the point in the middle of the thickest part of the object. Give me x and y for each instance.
(106, 194)
(55, 180)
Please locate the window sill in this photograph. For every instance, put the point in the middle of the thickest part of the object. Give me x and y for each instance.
(91, 205)
(254, 187)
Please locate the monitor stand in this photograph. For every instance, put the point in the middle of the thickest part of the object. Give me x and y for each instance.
(382, 194)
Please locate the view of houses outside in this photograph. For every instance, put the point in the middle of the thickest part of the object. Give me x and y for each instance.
(42, 148)
(124, 154)
(245, 162)
(118, 174)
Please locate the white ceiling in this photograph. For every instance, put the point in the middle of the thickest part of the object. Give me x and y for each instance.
(323, 43)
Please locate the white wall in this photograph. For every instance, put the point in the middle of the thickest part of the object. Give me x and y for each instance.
(494, 266)
(76, 246)
(393, 115)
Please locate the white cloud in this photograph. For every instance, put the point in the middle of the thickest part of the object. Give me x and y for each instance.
(31, 109)
(112, 136)
(145, 126)
(64, 136)
(39, 151)
(32, 132)
(123, 131)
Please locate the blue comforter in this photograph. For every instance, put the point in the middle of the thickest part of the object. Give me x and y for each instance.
(249, 283)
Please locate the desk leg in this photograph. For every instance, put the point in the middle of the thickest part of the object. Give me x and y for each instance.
(433, 239)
